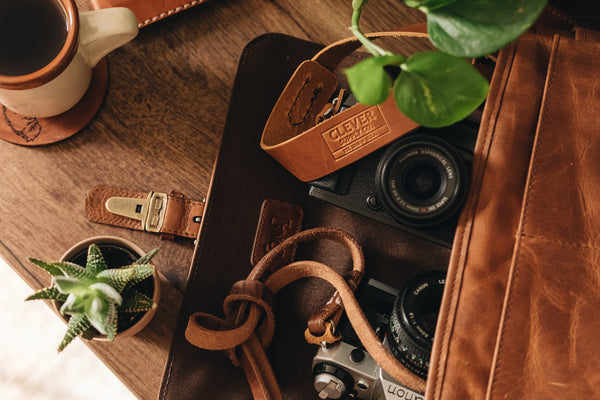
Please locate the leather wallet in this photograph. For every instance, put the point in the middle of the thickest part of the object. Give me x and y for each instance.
(149, 11)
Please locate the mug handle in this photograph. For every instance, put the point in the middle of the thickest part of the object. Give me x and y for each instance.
(102, 31)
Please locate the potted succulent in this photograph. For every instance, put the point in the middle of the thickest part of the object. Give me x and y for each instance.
(103, 286)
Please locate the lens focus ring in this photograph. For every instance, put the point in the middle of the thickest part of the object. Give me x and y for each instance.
(422, 180)
(413, 320)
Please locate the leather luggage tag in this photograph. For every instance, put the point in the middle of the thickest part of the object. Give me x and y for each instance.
(170, 215)
(278, 221)
(148, 11)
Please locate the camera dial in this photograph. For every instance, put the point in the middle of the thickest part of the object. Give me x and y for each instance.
(421, 180)
(413, 320)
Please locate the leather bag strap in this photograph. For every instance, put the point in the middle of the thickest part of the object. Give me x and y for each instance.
(311, 152)
(248, 326)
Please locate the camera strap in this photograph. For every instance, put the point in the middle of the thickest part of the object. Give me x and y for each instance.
(311, 150)
(249, 323)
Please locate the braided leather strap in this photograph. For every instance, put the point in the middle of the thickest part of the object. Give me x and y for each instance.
(248, 326)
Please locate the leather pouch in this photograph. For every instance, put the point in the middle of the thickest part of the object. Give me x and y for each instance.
(519, 313)
(243, 178)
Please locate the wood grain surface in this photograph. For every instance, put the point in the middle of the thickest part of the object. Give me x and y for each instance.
(158, 129)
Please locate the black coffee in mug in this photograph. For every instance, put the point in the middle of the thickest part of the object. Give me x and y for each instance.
(32, 33)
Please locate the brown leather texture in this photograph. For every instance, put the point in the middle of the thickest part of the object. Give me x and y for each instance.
(278, 221)
(516, 319)
(244, 177)
(249, 324)
(518, 316)
(149, 11)
(310, 152)
(181, 216)
(548, 339)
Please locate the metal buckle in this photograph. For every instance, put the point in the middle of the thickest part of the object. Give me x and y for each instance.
(150, 211)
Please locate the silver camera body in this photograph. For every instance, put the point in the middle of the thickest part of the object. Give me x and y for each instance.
(368, 379)
(345, 370)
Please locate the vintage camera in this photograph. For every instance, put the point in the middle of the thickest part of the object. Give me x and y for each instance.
(405, 322)
(418, 183)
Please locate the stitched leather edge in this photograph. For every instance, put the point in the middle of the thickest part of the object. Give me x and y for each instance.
(531, 180)
(170, 12)
(460, 248)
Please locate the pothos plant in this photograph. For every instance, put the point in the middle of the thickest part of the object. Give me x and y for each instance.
(439, 88)
(93, 297)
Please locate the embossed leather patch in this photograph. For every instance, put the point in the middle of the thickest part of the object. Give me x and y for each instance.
(278, 220)
(355, 132)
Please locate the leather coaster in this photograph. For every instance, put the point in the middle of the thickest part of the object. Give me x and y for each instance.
(29, 131)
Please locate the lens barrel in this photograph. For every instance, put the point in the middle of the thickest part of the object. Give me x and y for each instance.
(421, 180)
(413, 320)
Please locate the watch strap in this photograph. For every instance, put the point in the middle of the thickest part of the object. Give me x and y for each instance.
(168, 214)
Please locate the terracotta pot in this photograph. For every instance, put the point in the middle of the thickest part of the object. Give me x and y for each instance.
(135, 253)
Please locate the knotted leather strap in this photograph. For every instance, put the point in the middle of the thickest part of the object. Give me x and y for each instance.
(248, 326)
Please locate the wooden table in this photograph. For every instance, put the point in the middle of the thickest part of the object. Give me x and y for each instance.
(158, 129)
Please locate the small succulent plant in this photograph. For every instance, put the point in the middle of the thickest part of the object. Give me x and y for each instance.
(93, 297)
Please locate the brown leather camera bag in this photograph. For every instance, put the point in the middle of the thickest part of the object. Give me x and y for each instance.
(519, 312)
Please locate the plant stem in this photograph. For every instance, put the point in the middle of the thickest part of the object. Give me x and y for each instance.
(369, 45)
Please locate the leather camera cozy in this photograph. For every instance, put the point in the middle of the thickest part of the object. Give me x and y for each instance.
(518, 315)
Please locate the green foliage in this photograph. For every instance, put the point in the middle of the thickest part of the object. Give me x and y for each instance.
(475, 28)
(438, 98)
(369, 80)
(437, 88)
(94, 296)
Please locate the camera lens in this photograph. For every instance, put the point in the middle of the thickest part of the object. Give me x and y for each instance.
(413, 320)
(421, 180)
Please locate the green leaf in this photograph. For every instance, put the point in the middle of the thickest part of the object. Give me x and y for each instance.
(142, 271)
(112, 329)
(135, 301)
(52, 269)
(436, 89)
(117, 278)
(73, 270)
(95, 261)
(145, 259)
(71, 285)
(74, 305)
(368, 80)
(78, 324)
(102, 317)
(427, 5)
(50, 293)
(109, 292)
(474, 28)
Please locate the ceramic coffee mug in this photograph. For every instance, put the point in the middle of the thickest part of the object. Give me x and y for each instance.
(48, 50)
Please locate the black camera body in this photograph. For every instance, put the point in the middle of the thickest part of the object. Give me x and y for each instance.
(403, 320)
(418, 183)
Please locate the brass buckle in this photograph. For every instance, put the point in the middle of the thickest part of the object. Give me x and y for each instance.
(150, 211)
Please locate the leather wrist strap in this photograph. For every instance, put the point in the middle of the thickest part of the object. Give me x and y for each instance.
(248, 326)
(170, 215)
(311, 152)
